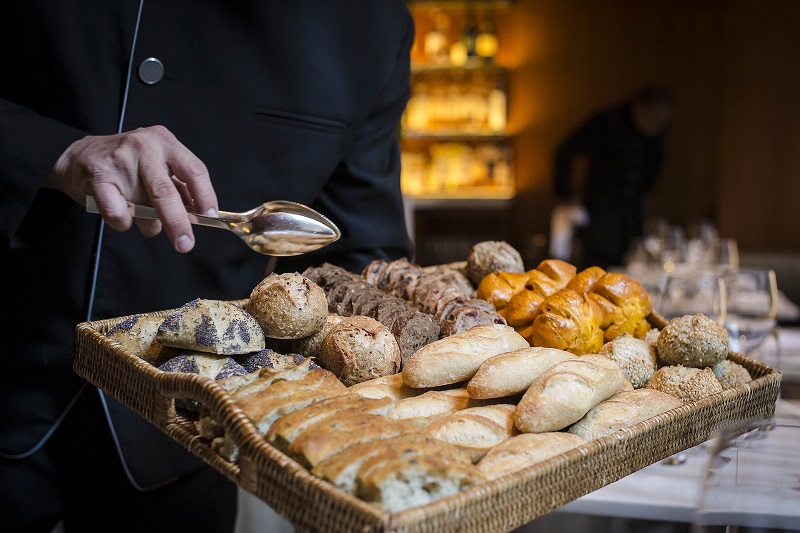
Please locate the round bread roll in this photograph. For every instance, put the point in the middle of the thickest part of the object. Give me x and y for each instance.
(310, 346)
(685, 382)
(636, 357)
(490, 256)
(692, 340)
(358, 349)
(288, 306)
(731, 374)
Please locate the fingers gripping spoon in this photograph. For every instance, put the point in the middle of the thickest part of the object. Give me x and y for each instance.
(279, 228)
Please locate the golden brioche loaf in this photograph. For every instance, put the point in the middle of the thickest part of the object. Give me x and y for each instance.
(567, 321)
(583, 280)
(624, 305)
(498, 287)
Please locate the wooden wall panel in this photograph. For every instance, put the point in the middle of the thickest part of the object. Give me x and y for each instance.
(733, 154)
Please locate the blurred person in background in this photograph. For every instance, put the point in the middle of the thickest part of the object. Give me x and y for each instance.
(209, 103)
(607, 166)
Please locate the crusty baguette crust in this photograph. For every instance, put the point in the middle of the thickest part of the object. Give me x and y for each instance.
(622, 410)
(341, 468)
(431, 403)
(332, 435)
(476, 430)
(385, 387)
(513, 372)
(456, 358)
(522, 451)
(566, 391)
(285, 429)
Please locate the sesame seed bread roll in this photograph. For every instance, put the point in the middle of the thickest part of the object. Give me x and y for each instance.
(567, 391)
(636, 357)
(623, 410)
(513, 372)
(456, 358)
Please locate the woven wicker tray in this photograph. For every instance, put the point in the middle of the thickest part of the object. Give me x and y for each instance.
(312, 504)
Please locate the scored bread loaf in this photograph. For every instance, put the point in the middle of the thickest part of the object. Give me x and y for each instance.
(359, 348)
(513, 372)
(566, 391)
(477, 429)
(286, 428)
(522, 451)
(456, 358)
(622, 410)
(341, 468)
(288, 306)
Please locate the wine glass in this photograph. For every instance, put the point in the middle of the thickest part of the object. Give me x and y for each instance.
(752, 478)
(752, 295)
(689, 292)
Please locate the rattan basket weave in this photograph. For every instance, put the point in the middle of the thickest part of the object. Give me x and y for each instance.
(315, 505)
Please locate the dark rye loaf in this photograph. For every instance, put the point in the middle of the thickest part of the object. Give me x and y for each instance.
(350, 294)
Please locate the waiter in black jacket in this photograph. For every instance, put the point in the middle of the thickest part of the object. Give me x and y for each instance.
(224, 105)
(621, 149)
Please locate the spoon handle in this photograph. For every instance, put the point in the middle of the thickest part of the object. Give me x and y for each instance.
(145, 211)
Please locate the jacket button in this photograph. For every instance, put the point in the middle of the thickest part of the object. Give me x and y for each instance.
(151, 71)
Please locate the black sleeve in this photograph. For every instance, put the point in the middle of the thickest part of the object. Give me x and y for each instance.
(30, 144)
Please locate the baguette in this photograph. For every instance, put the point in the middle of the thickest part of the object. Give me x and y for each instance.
(476, 430)
(408, 482)
(456, 358)
(567, 391)
(385, 387)
(285, 429)
(331, 435)
(622, 410)
(513, 372)
(431, 403)
(341, 468)
(522, 451)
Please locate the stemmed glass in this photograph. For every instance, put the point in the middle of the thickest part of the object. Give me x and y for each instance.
(692, 292)
(752, 307)
(752, 478)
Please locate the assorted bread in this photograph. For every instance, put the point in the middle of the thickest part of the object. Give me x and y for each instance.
(402, 384)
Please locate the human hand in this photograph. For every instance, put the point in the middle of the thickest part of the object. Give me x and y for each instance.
(147, 165)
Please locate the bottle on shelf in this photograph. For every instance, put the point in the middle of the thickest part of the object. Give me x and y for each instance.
(486, 42)
(436, 48)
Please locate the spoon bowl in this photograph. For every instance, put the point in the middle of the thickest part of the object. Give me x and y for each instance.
(277, 228)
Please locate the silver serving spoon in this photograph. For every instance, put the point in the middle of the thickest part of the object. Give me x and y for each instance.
(279, 228)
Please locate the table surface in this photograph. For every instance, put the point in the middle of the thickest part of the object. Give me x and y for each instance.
(666, 492)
